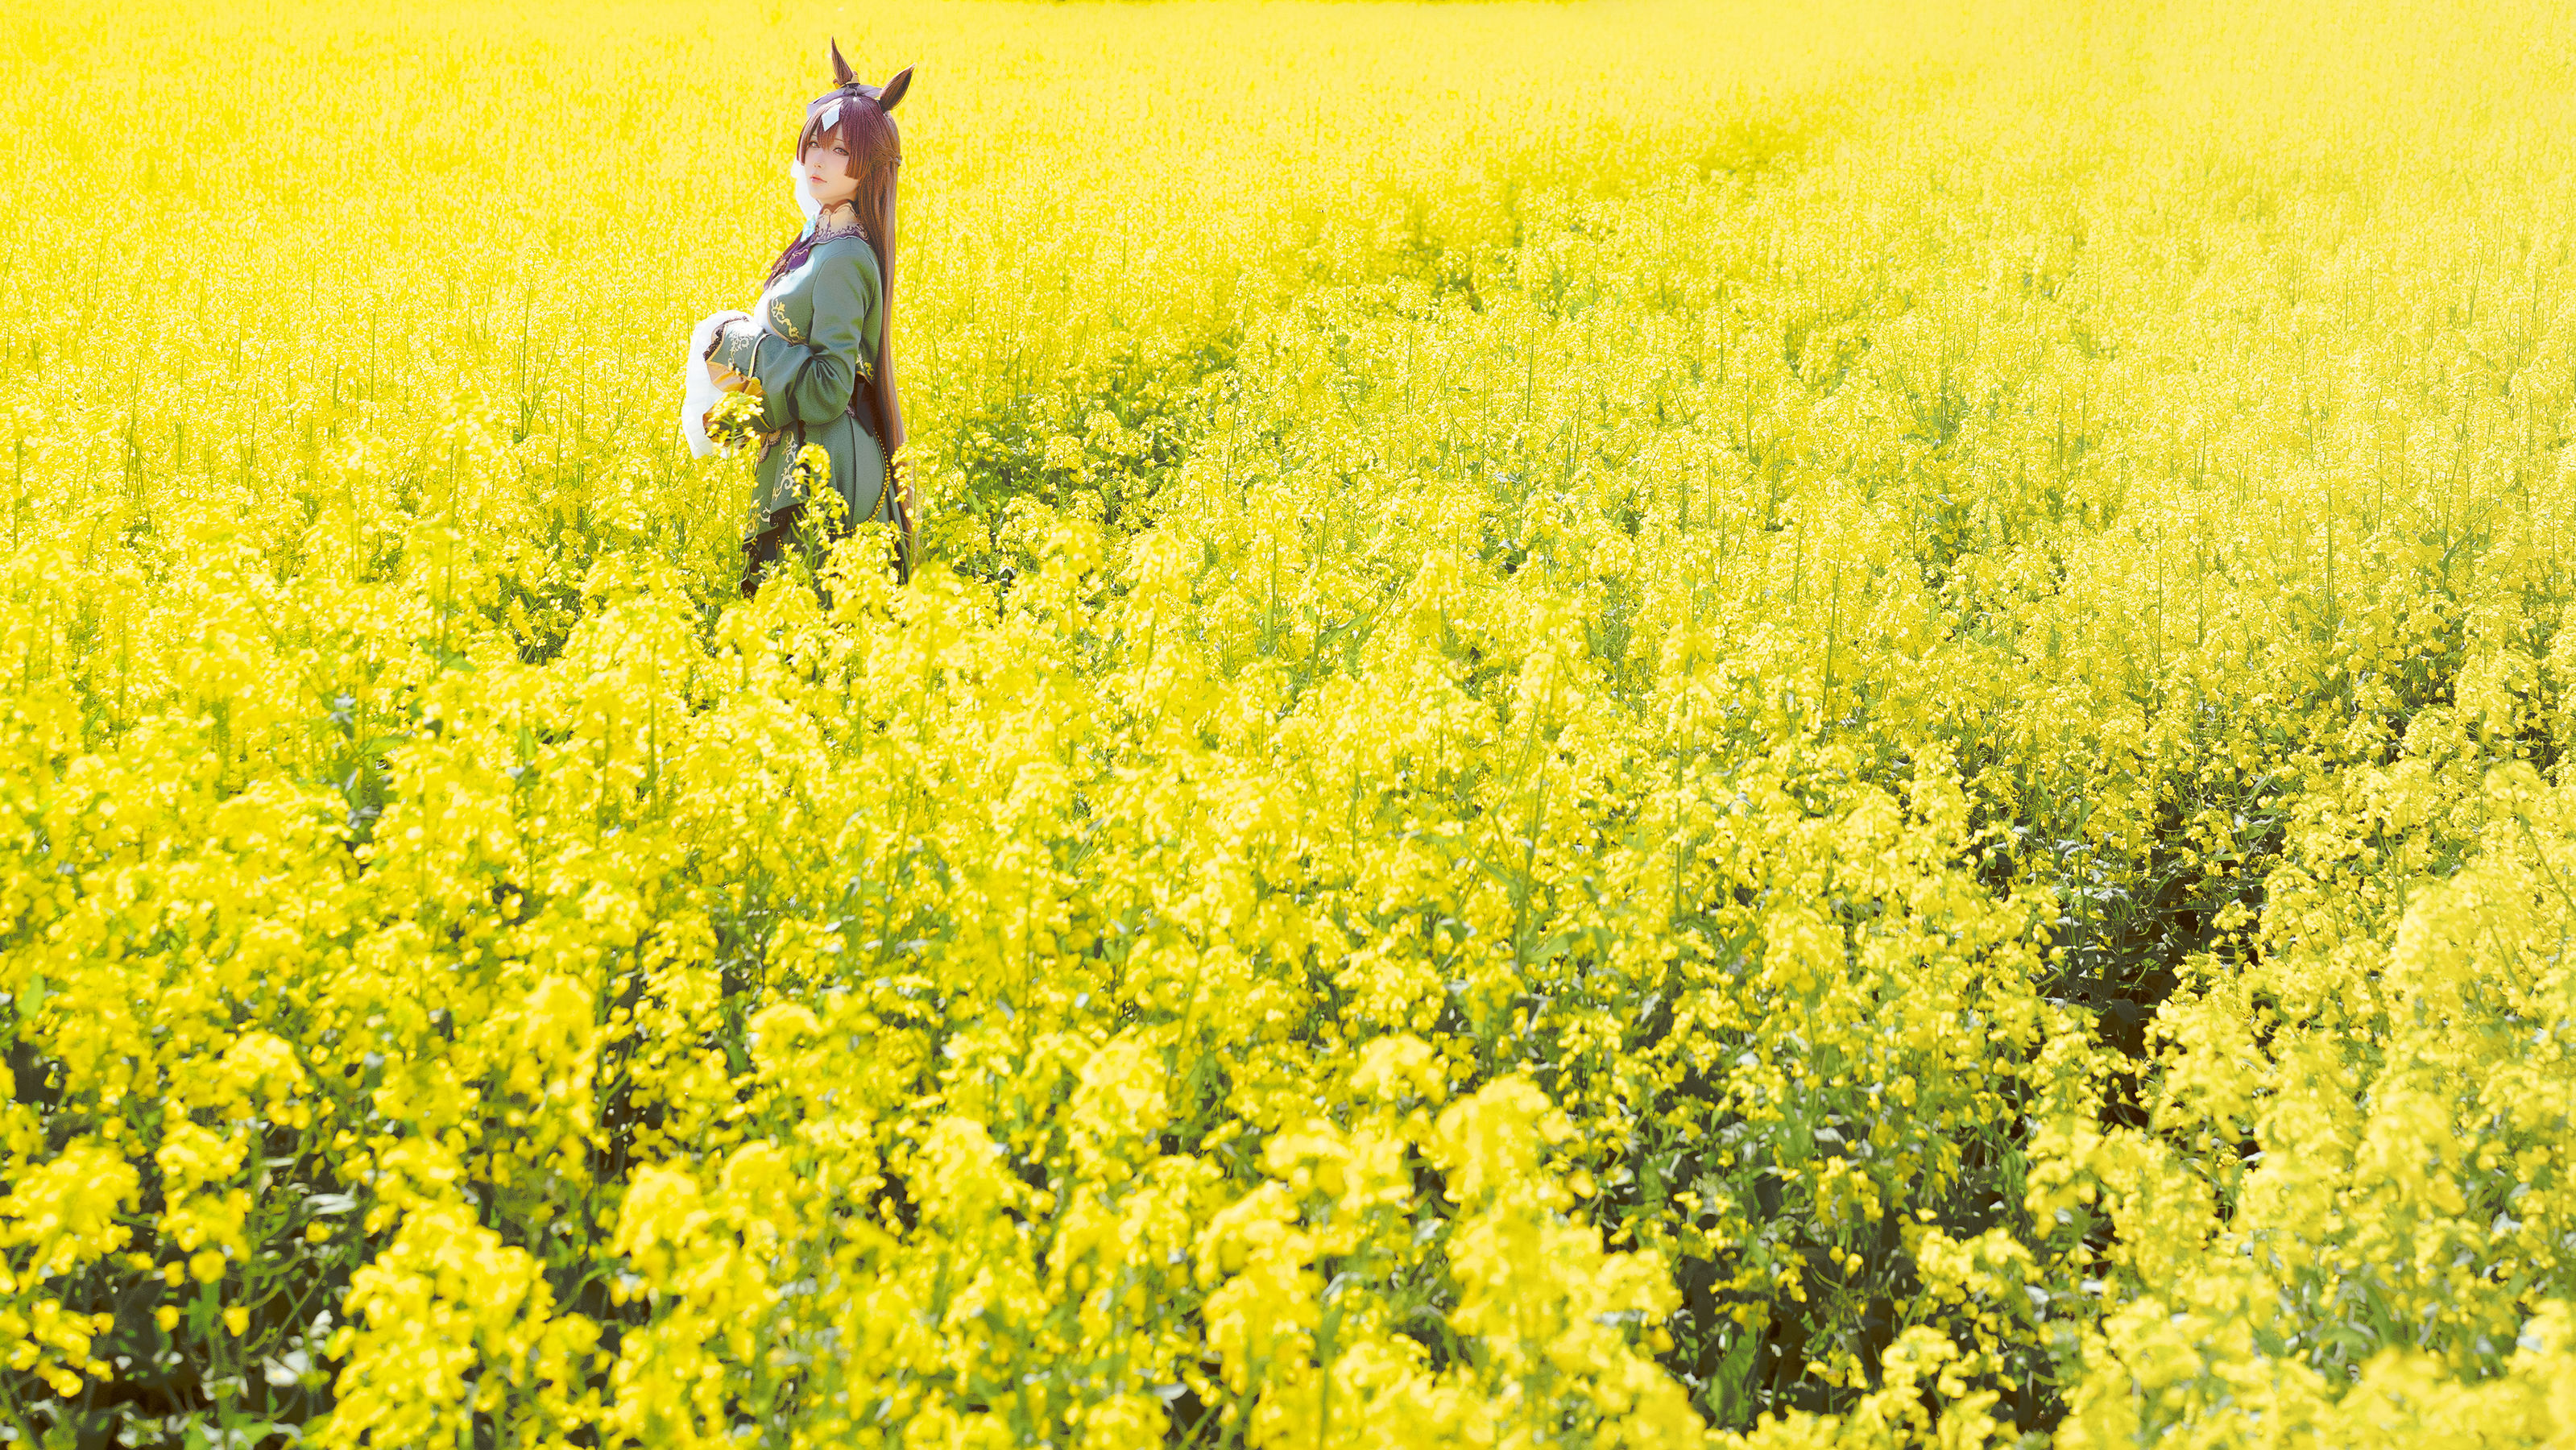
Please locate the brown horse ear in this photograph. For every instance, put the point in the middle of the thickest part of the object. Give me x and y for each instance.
(894, 89)
(842, 75)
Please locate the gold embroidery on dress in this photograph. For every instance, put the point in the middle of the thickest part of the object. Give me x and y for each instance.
(786, 329)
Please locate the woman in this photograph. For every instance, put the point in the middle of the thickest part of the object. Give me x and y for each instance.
(816, 352)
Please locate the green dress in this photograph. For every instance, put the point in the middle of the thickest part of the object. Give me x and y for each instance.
(812, 347)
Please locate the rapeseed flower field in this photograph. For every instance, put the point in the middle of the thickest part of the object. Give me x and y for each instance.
(1626, 724)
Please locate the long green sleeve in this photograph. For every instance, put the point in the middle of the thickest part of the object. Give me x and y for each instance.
(807, 379)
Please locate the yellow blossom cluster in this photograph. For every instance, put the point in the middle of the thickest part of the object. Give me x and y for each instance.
(1649, 723)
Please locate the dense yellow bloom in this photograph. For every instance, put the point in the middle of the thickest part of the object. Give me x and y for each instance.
(1636, 724)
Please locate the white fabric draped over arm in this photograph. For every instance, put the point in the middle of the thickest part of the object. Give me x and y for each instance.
(698, 392)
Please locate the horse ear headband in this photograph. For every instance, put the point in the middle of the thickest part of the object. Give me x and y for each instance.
(848, 87)
(846, 82)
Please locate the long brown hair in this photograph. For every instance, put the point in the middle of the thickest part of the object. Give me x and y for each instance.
(854, 117)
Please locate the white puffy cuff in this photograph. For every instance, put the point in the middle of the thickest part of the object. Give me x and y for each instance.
(698, 392)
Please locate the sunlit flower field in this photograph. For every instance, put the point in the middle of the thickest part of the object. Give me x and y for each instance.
(1628, 724)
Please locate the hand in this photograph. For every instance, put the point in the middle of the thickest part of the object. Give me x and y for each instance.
(723, 376)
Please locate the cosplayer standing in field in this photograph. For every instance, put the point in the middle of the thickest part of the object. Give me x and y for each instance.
(813, 366)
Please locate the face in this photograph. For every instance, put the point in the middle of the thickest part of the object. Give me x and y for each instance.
(827, 170)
